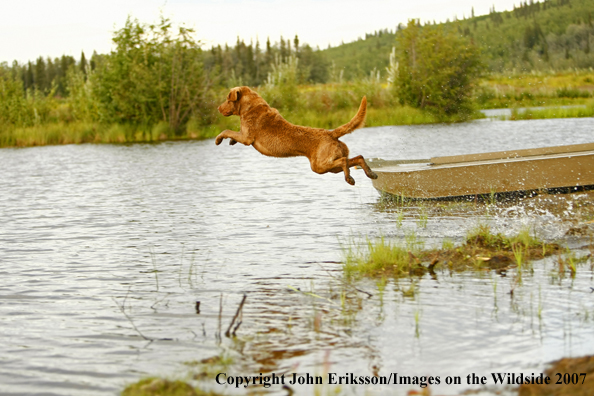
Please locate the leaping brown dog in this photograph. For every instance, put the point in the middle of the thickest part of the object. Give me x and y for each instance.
(264, 128)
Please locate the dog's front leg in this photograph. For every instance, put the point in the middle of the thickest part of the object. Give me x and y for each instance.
(234, 138)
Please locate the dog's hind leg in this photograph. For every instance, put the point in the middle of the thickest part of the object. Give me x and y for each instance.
(336, 166)
(341, 164)
(360, 161)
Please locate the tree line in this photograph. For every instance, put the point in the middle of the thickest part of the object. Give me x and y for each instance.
(250, 64)
(243, 64)
(556, 31)
(45, 74)
(158, 75)
(550, 35)
(553, 34)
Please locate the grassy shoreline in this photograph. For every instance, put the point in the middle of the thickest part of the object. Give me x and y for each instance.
(78, 132)
(529, 96)
(552, 112)
(482, 250)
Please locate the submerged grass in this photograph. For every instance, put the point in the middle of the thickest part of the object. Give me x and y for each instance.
(567, 261)
(482, 249)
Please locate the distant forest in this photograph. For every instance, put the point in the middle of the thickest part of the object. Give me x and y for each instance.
(553, 35)
(158, 82)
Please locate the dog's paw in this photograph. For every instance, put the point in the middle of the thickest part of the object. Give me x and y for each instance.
(219, 139)
(350, 180)
(232, 142)
(372, 175)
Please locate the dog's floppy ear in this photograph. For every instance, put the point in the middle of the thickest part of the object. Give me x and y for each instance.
(234, 95)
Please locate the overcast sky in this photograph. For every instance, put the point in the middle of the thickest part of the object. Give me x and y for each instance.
(33, 28)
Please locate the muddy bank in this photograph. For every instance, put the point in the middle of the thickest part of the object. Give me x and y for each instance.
(569, 377)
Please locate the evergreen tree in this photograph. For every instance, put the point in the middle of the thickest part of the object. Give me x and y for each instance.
(283, 48)
(83, 64)
(29, 77)
(269, 56)
(93, 62)
(40, 79)
(257, 62)
(250, 66)
(51, 73)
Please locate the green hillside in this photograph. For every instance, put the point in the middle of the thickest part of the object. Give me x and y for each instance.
(553, 35)
(549, 35)
(360, 57)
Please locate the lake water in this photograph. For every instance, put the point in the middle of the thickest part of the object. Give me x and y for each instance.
(105, 249)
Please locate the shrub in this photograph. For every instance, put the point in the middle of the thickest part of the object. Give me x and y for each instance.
(437, 70)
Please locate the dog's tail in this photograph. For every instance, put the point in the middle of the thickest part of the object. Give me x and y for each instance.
(357, 122)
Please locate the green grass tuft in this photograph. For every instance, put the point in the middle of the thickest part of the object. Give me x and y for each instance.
(163, 387)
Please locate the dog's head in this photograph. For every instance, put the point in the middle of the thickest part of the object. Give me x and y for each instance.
(238, 100)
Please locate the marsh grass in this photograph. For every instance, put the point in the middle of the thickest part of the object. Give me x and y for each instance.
(333, 118)
(380, 257)
(77, 132)
(568, 367)
(50, 134)
(160, 386)
(52, 120)
(447, 244)
(417, 323)
(399, 217)
(423, 217)
(210, 367)
(519, 251)
(553, 112)
(567, 261)
(508, 90)
(322, 106)
(482, 250)
(381, 287)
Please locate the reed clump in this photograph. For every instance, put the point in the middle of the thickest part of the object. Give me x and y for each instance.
(380, 258)
(481, 250)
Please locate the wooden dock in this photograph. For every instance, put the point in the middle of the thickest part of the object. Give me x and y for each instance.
(488, 173)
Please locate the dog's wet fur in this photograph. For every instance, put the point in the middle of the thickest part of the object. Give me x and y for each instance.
(264, 128)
